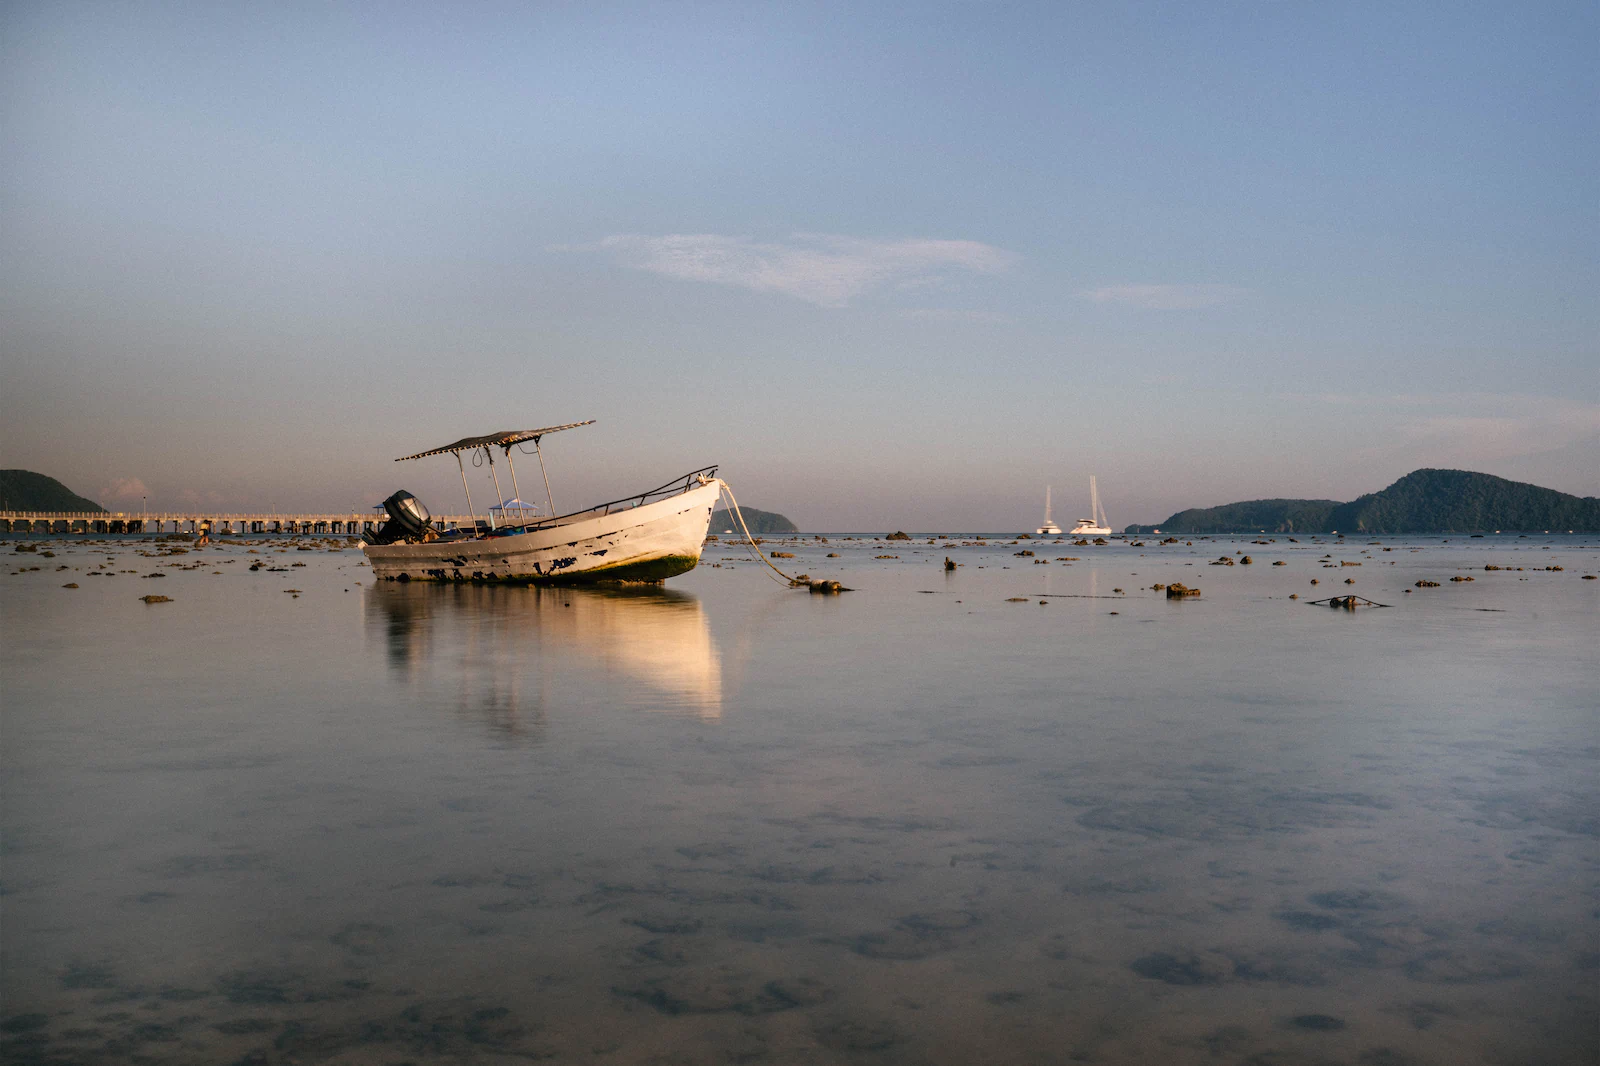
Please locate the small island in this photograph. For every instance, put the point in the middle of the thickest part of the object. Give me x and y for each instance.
(763, 522)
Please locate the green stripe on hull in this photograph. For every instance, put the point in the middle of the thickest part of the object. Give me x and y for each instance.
(648, 571)
(643, 572)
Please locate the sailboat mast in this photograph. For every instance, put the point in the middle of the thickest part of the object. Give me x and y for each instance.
(1047, 520)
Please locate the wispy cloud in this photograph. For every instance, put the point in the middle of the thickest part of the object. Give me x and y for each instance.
(125, 488)
(1165, 297)
(956, 314)
(197, 498)
(1479, 438)
(824, 269)
(1448, 429)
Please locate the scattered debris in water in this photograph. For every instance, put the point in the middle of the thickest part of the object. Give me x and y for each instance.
(1349, 603)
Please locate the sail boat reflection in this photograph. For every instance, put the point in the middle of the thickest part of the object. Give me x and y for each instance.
(656, 637)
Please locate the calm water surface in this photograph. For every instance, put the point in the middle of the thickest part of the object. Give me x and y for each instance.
(729, 822)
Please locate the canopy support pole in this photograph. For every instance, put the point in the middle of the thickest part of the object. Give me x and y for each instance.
(515, 492)
(499, 499)
(468, 491)
(537, 451)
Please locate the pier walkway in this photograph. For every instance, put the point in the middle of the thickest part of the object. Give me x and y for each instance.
(198, 522)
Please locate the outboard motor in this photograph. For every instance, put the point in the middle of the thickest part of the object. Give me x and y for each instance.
(408, 519)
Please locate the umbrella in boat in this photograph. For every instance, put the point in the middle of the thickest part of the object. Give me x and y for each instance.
(515, 511)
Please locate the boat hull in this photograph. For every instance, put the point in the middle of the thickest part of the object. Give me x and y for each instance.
(641, 545)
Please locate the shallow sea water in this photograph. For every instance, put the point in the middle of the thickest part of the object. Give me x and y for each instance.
(730, 822)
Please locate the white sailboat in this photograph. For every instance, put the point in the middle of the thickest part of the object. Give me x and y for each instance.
(1049, 529)
(1097, 524)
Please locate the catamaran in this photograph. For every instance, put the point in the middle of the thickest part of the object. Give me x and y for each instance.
(1049, 529)
(645, 538)
(1088, 527)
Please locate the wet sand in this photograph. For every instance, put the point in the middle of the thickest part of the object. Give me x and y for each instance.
(972, 816)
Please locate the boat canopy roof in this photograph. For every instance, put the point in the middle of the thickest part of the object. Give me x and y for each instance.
(503, 439)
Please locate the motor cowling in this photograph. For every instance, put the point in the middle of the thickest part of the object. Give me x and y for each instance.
(408, 519)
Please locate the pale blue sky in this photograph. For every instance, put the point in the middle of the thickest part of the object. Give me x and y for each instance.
(891, 265)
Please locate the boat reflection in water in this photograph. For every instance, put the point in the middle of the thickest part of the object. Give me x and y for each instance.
(504, 647)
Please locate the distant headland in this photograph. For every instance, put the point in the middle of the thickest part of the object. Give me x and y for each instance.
(1424, 501)
(24, 490)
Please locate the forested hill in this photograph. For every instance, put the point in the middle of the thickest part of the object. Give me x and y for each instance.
(1251, 516)
(1424, 501)
(1460, 501)
(23, 490)
(758, 521)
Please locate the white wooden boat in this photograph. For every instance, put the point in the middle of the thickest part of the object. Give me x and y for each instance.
(1097, 524)
(645, 538)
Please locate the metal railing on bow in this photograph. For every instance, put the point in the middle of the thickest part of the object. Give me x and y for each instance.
(676, 487)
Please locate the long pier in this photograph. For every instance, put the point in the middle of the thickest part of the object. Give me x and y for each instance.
(199, 522)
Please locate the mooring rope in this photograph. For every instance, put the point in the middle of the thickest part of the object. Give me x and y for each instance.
(789, 581)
